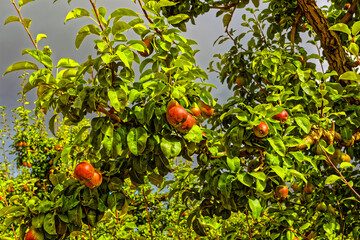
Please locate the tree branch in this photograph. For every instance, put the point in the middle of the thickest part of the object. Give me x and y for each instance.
(330, 42)
(350, 12)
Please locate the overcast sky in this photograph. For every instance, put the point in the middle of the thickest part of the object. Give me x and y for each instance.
(48, 18)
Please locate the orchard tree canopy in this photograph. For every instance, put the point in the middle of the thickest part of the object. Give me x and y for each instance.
(138, 148)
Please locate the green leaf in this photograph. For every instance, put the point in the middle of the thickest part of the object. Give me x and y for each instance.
(123, 12)
(225, 184)
(23, 2)
(177, 18)
(49, 223)
(354, 49)
(24, 65)
(10, 209)
(166, 3)
(341, 27)
(126, 56)
(40, 57)
(355, 29)
(170, 146)
(279, 171)
(12, 19)
(67, 63)
(39, 37)
(84, 32)
(156, 179)
(303, 123)
(331, 179)
(350, 75)
(136, 140)
(245, 179)
(119, 27)
(194, 135)
(226, 19)
(77, 13)
(255, 2)
(258, 175)
(198, 227)
(234, 164)
(278, 145)
(255, 207)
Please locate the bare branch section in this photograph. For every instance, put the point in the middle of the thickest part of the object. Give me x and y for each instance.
(330, 42)
(350, 12)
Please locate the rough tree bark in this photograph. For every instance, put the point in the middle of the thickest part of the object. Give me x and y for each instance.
(330, 42)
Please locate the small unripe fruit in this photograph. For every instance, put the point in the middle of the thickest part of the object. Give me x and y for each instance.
(282, 117)
(240, 81)
(331, 209)
(261, 130)
(321, 207)
(308, 188)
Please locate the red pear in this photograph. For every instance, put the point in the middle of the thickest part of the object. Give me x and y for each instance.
(84, 172)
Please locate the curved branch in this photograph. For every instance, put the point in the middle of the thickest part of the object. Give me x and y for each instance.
(350, 12)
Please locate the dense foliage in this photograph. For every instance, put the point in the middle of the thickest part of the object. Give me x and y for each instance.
(278, 160)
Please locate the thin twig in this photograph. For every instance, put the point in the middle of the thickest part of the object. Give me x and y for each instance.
(227, 25)
(148, 214)
(148, 18)
(247, 220)
(22, 22)
(332, 164)
(12, 226)
(289, 229)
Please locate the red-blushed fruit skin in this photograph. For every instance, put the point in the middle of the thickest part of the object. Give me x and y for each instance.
(308, 188)
(187, 125)
(347, 6)
(195, 110)
(206, 110)
(282, 191)
(29, 165)
(175, 113)
(240, 81)
(95, 181)
(282, 117)
(261, 130)
(24, 164)
(34, 234)
(84, 172)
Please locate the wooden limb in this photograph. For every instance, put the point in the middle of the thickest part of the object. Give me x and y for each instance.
(330, 42)
(294, 27)
(350, 12)
(107, 113)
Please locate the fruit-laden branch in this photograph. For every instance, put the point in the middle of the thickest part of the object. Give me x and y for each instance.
(350, 12)
(328, 135)
(330, 42)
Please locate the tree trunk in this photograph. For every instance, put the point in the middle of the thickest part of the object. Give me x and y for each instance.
(330, 42)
